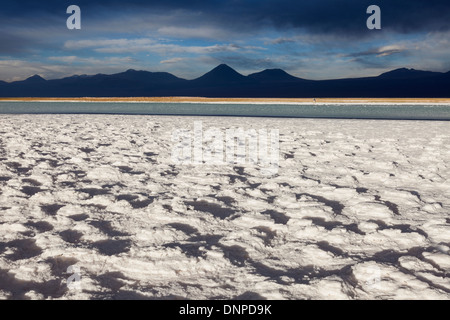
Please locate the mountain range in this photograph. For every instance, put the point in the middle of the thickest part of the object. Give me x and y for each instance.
(225, 82)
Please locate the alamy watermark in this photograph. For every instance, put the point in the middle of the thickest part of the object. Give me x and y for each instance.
(74, 281)
(234, 146)
(373, 274)
(74, 21)
(374, 21)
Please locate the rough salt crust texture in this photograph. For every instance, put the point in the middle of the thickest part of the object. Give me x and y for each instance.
(359, 209)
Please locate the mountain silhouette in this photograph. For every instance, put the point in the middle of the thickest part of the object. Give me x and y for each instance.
(34, 79)
(149, 77)
(221, 74)
(273, 76)
(224, 81)
(404, 73)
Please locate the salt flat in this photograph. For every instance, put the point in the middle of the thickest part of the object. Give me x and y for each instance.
(358, 209)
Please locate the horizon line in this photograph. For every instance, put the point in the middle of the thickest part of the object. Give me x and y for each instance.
(222, 64)
(187, 99)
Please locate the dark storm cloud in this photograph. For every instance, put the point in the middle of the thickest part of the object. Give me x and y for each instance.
(320, 16)
(330, 16)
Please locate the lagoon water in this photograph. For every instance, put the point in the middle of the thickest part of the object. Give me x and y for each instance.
(343, 111)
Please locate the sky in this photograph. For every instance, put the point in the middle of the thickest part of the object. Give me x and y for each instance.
(320, 39)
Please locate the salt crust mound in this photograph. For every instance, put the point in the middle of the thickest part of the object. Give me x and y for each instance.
(358, 209)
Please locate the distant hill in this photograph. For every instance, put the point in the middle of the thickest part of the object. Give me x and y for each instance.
(34, 79)
(221, 75)
(405, 73)
(224, 81)
(273, 76)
